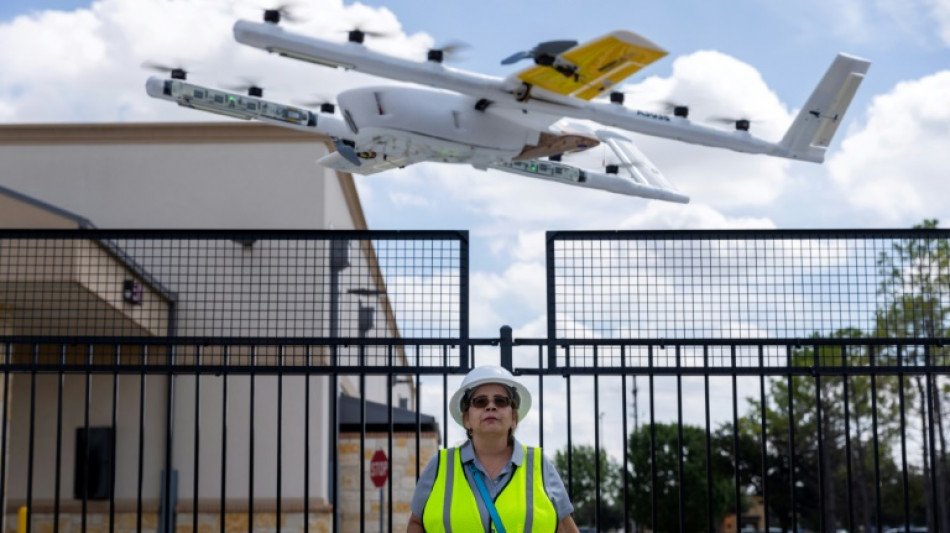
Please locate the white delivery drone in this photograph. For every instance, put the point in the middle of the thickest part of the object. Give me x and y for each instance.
(514, 124)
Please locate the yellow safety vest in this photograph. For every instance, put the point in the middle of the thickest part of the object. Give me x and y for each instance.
(523, 504)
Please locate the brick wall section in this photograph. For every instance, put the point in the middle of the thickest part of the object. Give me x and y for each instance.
(263, 523)
(320, 522)
(402, 475)
(95, 523)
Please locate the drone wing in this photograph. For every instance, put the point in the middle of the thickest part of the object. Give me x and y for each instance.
(582, 71)
(587, 70)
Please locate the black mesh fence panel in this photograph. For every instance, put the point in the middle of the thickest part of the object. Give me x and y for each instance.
(748, 284)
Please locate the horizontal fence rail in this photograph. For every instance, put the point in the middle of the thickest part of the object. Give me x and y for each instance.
(258, 411)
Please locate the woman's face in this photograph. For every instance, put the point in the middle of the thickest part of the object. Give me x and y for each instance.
(491, 419)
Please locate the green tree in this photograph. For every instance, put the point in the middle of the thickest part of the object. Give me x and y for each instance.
(915, 275)
(693, 480)
(582, 469)
(819, 475)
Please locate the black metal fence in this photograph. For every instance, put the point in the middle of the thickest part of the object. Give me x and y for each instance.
(689, 381)
(835, 340)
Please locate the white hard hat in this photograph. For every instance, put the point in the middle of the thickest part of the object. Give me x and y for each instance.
(484, 375)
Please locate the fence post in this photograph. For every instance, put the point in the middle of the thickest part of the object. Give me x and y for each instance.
(504, 343)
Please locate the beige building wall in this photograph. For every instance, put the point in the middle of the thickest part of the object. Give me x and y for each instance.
(163, 175)
(45, 406)
(207, 176)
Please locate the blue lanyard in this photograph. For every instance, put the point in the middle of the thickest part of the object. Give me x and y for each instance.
(499, 527)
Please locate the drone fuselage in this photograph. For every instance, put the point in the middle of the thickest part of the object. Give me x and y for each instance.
(438, 114)
(446, 123)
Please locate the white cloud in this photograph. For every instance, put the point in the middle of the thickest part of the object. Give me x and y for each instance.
(895, 165)
(521, 284)
(72, 45)
(86, 65)
(530, 246)
(659, 215)
(484, 318)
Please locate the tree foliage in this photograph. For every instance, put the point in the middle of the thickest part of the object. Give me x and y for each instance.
(672, 480)
(582, 470)
(915, 276)
(809, 468)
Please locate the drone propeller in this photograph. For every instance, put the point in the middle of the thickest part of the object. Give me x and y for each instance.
(358, 34)
(741, 124)
(284, 11)
(325, 105)
(176, 73)
(346, 151)
(616, 96)
(250, 86)
(447, 52)
(677, 109)
(543, 54)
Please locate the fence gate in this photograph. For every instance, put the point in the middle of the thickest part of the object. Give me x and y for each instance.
(231, 381)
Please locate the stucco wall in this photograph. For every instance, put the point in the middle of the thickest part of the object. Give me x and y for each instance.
(176, 175)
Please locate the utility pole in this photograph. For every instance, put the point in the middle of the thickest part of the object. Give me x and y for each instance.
(636, 411)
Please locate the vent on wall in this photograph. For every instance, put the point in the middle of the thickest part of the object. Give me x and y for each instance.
(93, 463)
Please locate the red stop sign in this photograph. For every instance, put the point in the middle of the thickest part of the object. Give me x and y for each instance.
(379, 469)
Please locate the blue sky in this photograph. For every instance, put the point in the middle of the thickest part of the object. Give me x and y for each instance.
(887, 168)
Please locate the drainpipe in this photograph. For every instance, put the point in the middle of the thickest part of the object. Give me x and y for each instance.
(339, 261)
(169, 478)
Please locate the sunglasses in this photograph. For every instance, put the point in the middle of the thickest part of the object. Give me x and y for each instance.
(482, 402)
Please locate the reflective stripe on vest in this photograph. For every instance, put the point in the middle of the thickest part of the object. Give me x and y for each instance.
(523, 504)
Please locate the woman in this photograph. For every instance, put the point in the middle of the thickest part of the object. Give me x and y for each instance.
(521, 489)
